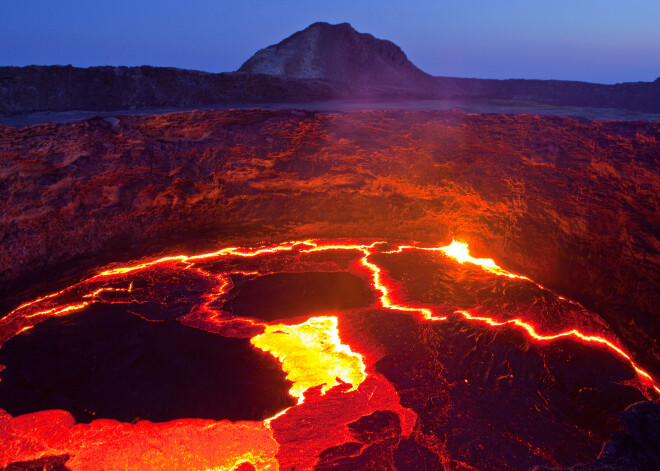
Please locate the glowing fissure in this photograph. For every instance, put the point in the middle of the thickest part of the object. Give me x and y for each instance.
(386, 295)
(255, 460)
(376, 276)
(109, 290)
(56, 311)
(456, 250)
(311, 353)
(459, 251)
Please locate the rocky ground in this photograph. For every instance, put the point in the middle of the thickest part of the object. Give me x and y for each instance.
(634, 447)
(570, 203)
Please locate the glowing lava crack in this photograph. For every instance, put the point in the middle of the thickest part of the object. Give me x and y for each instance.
(311, 354)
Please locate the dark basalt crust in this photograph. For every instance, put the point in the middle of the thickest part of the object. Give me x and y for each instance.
(461, 380)
(636, 447)
(108, 363)
(47, 463)
(288, 295)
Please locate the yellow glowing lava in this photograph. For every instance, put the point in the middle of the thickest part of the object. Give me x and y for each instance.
(459, 251)
(312, 355)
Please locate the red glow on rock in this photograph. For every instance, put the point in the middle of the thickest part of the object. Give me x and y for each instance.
(330, 377)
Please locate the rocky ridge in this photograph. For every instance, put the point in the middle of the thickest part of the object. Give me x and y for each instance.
(320, 63)
(62, 88)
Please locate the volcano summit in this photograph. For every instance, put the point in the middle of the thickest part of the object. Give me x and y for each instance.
(339, 53)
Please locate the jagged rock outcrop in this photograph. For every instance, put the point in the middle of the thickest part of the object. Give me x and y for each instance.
(341, 54)
(636, 447)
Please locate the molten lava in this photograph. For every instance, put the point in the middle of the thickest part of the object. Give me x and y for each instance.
(459, 251)
(312, 355)
(322, 367)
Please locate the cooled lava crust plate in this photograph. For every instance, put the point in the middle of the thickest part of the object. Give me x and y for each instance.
(313, 354)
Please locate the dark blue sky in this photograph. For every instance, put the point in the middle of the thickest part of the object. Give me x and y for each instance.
(603, 41)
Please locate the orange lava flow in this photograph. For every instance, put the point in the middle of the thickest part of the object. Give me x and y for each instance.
(376, 277)
(191, 444)
(311, 353)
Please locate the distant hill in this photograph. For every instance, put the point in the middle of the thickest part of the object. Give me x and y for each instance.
(321, 62)
(338, 53)
(341, 54)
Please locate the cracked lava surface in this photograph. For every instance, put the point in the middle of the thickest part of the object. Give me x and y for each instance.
(395, 356)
